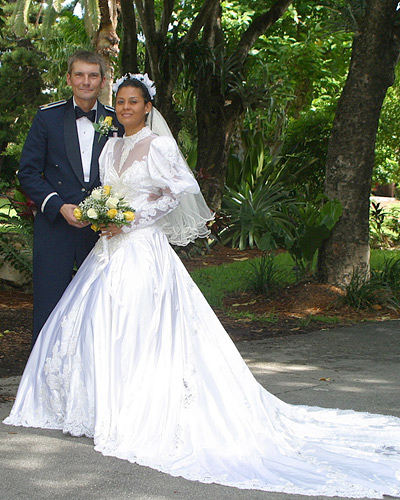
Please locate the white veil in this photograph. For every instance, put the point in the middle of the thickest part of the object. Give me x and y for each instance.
(188, 220)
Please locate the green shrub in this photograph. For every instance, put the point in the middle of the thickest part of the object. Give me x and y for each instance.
(304, 150)
(384, 226)
(265, 275)
(16, 232)
(380, 287)
(312, 223)
(256, 217)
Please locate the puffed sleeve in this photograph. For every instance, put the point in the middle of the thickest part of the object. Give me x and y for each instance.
(172, 179)
(168, 168)
(106, 158)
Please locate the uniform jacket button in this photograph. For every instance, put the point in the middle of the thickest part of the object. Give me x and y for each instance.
(59, 183)
(83, 190)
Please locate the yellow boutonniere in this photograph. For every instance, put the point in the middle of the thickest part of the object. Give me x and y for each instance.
(104, 126)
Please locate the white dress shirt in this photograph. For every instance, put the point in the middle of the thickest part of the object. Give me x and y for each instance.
(86, 135)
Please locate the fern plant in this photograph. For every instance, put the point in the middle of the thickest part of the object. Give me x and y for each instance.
(16, 254)
(16, 233)
(380, 287)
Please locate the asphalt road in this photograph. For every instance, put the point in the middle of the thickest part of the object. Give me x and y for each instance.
(355, 367)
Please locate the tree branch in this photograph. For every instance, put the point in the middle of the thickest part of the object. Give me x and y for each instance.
(199, 21)
(146, 16)
(168, 7)
(258, 27)
(147, 19)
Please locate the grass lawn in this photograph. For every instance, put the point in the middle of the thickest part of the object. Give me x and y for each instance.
(216, 282)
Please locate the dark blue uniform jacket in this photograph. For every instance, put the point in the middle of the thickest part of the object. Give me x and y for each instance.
(51, 163)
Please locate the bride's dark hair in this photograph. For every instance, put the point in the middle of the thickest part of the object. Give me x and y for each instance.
(133, 82)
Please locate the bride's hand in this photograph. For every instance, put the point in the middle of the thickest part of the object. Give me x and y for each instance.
(110, 230)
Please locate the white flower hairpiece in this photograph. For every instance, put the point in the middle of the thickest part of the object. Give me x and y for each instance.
(149, 84)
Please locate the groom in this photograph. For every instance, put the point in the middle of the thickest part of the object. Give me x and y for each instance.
(58, 169)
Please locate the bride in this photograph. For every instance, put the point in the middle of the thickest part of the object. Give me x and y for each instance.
(134, 357)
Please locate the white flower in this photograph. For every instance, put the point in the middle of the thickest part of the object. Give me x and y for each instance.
(138, 76)
(92, 213)
(96, 194)
(112, 202)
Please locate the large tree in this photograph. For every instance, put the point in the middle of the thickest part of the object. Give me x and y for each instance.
(350, 158)
(129, 56)
(219, 72)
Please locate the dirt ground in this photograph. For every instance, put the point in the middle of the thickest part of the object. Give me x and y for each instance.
(296, 310)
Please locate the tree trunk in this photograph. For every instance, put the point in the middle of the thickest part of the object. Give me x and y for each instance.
(161, 69)
(165, 105)
(213, 118)
(106, 43)
(217, 109)
(215, 125)
(129, 63)
(350, 157)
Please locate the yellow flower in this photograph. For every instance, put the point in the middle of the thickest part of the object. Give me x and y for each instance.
(108, 120)
(107, 189)
(112, 213)
(94, 227)
(77, 213)
(129, 216)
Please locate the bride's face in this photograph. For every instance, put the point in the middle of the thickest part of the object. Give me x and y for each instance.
(131, 109)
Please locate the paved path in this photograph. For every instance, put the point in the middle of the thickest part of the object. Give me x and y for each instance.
(356, 367)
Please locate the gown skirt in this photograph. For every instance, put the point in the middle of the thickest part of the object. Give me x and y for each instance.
(134, 357)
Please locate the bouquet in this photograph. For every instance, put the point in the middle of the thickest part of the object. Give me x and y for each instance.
(103, 207)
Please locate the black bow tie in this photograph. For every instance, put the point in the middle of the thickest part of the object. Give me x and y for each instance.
(91, 115)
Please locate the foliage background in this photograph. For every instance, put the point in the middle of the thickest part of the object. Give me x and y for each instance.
(290, 85)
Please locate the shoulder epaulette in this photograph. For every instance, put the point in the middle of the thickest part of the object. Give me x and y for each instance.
(109, 108)
(53, 104)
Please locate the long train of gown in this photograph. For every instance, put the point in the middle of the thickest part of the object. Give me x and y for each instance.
(155, 379)
(134, 357)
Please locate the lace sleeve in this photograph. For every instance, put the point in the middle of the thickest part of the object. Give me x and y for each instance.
(158, 206)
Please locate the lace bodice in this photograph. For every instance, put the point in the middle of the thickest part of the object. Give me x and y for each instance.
(151, 173)
(147, 171)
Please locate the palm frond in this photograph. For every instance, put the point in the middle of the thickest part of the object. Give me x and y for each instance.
(19, 18)
(57, 5)
(92, 14)
(49, 17)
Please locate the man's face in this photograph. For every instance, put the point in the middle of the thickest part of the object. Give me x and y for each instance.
(86, 82)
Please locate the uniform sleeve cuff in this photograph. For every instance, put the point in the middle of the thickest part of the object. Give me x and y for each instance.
(46, 200)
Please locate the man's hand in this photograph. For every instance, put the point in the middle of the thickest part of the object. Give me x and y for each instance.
(67, 211)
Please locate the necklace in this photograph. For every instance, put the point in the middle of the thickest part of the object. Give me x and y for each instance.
(130, 142)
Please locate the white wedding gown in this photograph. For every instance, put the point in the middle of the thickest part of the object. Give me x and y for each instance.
(134, 357)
